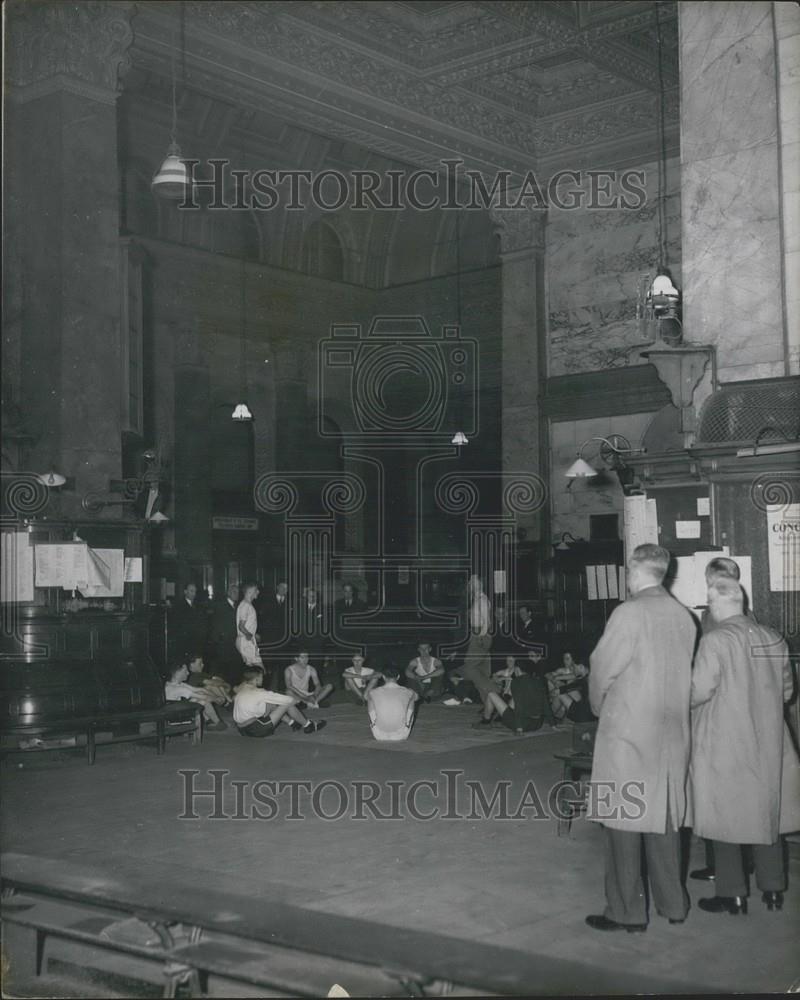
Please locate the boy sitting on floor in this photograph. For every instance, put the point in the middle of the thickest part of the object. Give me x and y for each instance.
(391, 707)
(523, 708)
(302, 682)
(425, 674)
(359, 679)
(257, 712)
(176, 689)
(217, 687)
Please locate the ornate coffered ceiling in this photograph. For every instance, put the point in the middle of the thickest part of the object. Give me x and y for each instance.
(502, 84)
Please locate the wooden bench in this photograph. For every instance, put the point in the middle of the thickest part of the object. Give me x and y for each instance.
(172, 719)
(576, 765)
(214, 943)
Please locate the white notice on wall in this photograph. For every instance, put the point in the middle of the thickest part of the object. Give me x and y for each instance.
(591, 583)
(684, 584)
(783, 545)
(612, 582)
(62, 564)
(107, 573)
(602, 584)
(133, 569)
(640, 518)
(704, 506)
(687, 529)
(16, 582)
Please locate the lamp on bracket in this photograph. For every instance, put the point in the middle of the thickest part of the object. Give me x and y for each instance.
(611, 450)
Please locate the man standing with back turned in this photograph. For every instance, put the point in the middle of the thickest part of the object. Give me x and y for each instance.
(639, 687)
(741, 679)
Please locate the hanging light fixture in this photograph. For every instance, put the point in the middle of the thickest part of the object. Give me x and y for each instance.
(241, 411)
(172, 181)
(52, 479)
(459, 438)
(659, 300)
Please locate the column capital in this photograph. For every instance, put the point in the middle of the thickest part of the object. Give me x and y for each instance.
(78, 47)
(521, 230)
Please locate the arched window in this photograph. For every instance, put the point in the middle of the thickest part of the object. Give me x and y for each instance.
(323, 255)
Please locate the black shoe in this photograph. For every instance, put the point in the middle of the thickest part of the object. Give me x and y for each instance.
(603, 923)
(314, 727)
(674, 920)
(724, 904)
(703, 874)
(772, 900)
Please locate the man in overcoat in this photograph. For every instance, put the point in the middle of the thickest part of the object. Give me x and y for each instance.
(741, 679)
(639, 685)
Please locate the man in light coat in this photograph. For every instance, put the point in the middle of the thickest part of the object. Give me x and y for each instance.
(639, 685)
(741, 679)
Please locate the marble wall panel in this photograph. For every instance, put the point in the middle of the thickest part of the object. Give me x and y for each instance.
(595, 261)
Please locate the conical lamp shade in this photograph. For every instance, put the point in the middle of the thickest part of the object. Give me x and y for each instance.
(242, 412)
(580, 470)
(172, 180)
(460, 438)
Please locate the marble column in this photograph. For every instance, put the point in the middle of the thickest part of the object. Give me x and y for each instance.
(733, 281)
(787, 32)
(521, 235)
(62, 207)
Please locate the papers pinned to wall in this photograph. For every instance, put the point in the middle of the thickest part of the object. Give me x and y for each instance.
(640, 518)
(603, 583)
(16, 581)
(783, 546)
(133, 569)
(75, 566)
(107, 573)
(689, 583)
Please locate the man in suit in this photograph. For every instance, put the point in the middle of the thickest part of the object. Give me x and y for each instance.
(312, 622)
(639, 687)
(740, 681)
(526, 630)
(188, 626)
(226, 659)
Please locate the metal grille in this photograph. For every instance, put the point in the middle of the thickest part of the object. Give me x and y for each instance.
(741, 413)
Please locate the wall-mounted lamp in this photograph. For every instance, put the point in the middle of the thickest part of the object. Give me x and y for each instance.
(460, 439)
(611, 448)
(562, 546)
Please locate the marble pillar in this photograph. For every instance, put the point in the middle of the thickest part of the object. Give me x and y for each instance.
(733, 284)
(521, 235)
(787, 33)
(64, 68)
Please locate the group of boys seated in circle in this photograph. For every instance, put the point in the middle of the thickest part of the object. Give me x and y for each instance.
(522, 696)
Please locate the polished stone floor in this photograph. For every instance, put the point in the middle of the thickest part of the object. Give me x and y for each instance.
(506, 879)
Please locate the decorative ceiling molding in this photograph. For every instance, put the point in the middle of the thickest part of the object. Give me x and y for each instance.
(456, 80)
